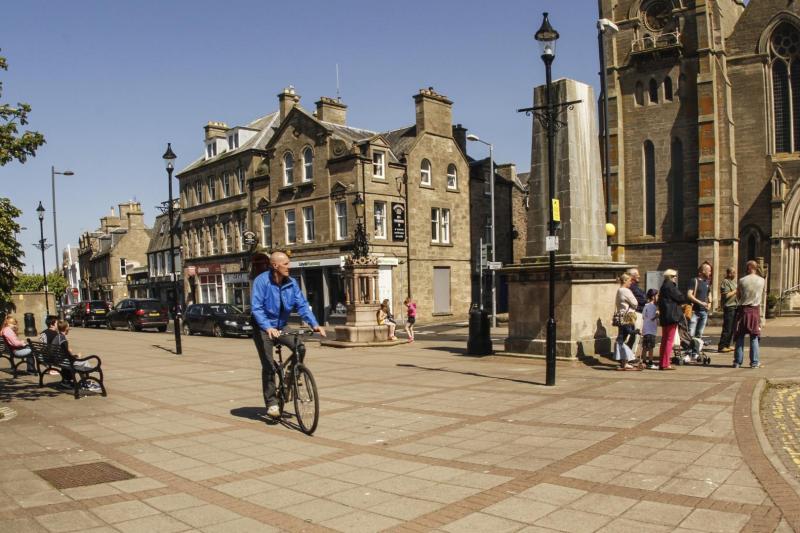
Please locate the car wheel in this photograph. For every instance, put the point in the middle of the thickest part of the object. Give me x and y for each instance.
(218, 331)
(162, 329)
(186, 329)
(131, 327)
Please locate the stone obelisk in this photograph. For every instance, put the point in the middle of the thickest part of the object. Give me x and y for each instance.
(585, 274)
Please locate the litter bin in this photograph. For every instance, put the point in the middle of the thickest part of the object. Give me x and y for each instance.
(480, 337)
(30, 325)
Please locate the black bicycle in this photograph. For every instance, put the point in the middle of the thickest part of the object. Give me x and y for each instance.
(295, 381)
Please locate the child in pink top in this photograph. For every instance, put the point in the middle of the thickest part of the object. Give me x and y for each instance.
(411, 317)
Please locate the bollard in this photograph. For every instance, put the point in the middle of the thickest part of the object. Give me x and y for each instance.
(30, 325)
(480, 338)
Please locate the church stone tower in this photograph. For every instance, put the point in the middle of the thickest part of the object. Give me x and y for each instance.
(673, 168)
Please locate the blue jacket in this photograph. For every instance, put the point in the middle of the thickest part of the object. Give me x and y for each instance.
(266, 302)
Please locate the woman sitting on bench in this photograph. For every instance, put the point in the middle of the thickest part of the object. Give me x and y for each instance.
(67, 375)
(17, 346)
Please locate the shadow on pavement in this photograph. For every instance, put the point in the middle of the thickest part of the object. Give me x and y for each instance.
(259, 414)
(169, 350)
(476, 374)
(17, 389)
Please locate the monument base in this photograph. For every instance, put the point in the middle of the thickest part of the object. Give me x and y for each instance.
(584, 304)
(354, 336)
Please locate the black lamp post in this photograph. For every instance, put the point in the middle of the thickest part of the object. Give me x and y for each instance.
(169, 160)
(547, 37)
(360, 244)
(43, 247)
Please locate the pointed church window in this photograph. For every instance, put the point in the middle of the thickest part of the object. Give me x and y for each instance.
(649, 188)
(668, 89)
(653, 92)
(785, 66)
(638, 93)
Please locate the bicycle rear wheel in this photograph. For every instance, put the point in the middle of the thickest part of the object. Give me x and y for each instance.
(306, 401)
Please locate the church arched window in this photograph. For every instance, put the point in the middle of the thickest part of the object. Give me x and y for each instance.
(784, 48)
(638, 93)
(649, 188)
(653, 91)
(668, 89)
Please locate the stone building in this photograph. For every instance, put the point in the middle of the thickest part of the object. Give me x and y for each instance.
(107, 254)
(295, 176)
(158, 279)
(511, 215)
(704, 133)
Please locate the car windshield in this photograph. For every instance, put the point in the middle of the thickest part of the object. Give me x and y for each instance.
(151, 306)
(225, 310)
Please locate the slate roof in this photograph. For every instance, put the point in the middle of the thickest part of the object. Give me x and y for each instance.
(266, 126)
(160, 236)
(401, 139)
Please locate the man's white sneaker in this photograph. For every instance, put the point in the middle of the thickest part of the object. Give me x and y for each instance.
(273, 411)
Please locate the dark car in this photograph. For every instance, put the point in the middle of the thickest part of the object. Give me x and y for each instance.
(137, 314)
(67, 311)
(216, 319)
(91, 313)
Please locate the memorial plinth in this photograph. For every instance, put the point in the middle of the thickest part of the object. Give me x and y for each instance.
(361, 301)
(585, 284)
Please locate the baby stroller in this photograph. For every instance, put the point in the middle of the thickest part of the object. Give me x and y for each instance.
(685, 345)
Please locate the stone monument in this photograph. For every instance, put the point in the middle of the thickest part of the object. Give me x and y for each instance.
(585, 274)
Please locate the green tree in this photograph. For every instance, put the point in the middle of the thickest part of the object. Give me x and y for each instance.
(56, 283)
(10, 250)
(14, 145)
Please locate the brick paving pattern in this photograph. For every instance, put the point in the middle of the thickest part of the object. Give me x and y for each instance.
(411, 438)
(780, 412)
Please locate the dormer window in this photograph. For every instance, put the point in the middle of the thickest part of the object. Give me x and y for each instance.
(378, 159)
(288, 168)
(233, 141)
(211, 150)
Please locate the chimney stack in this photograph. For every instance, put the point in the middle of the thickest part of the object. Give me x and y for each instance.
(215, 130)
(287, 100)
(331, 110)
(460, 136)
(434, 112)
(131, 215)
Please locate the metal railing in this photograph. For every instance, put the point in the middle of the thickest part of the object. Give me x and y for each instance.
(784, 294)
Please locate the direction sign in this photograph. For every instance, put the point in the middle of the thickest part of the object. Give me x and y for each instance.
(494, 265)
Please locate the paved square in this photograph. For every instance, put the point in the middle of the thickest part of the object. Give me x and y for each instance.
(411, 438)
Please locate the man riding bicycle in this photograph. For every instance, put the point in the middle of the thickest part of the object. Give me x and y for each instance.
(275, 295)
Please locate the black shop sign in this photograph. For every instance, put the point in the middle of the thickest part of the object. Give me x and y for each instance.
(398, 222)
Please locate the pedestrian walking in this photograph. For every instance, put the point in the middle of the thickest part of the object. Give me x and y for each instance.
(411, 317)
(749, 292)
(670, 313)
(699, 295)
(727, 293)
(625, 317)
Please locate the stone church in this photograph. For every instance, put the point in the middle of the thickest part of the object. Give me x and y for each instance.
(704, 123)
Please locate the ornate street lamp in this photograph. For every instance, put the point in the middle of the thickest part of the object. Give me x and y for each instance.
(547, 37)
(360, 244)
(169, 160)
(475, 138)
(42, 246)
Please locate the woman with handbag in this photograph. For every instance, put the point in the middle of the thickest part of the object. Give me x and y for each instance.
(670, 313)
(625, 320)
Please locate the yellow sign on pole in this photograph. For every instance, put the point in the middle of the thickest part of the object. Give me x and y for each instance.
(556, 210)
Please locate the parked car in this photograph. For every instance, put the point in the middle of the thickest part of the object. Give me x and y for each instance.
(216, 319)
(91, 313)
(137, 314)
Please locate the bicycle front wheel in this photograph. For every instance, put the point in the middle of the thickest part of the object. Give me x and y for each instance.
(306, 401)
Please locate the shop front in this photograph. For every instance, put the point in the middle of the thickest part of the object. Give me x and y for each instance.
(237, 289)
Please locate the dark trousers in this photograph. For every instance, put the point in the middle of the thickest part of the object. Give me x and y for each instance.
(265, 346)
(728, 318)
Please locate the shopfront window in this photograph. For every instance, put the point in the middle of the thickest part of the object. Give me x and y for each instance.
(211, 289)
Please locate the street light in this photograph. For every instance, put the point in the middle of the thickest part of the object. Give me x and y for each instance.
(604, 25)
(547, 37)
(475, 138)
(360, 243)
(42, 247)
(53, 173)
(169, 160)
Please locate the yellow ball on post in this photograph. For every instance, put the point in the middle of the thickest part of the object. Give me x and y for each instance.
(611, 230)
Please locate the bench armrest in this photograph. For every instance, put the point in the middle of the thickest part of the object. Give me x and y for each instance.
(87, 359)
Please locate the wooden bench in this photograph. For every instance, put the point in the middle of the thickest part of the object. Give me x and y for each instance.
(7, 353)
(52, 357)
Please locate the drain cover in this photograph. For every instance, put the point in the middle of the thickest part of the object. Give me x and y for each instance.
(68, 477)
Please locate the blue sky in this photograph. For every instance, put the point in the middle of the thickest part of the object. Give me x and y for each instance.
(111, 83)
